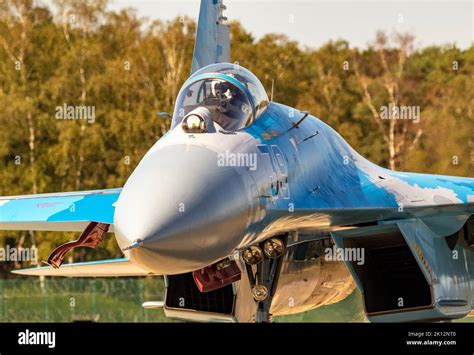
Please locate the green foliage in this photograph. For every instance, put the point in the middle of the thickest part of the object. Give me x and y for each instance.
(68, 300)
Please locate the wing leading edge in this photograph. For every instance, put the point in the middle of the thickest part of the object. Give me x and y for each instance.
(67, 211)
(102, 268)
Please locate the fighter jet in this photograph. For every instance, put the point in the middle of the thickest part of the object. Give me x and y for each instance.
(252, 209)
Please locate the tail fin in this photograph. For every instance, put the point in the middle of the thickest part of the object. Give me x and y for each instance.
(212, 39)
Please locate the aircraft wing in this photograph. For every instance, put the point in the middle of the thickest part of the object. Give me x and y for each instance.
(102, 268)
(67, 211)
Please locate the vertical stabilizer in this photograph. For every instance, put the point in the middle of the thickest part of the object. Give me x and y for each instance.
(212, 39)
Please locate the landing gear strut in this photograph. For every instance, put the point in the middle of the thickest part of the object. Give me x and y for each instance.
(267, 259)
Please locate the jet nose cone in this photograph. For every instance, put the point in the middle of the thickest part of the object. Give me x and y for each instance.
(184, 210)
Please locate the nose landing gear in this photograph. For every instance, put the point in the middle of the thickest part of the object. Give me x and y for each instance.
(253, 255)
(267, 259)
(273, 248)
(259, 293)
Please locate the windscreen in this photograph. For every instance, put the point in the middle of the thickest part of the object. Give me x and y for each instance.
(229, 105)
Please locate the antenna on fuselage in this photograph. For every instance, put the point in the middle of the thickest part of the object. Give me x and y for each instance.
(271, 94)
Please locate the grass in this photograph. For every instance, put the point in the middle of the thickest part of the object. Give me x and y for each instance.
(120, 300)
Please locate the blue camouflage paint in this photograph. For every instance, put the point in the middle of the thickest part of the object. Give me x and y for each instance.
(60, 208)
(339, 176)
(463, 187)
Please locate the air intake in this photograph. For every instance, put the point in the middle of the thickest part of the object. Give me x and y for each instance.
(182, 293)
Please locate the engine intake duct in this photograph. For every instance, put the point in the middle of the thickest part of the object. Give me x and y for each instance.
(184, 300)
(391, 277)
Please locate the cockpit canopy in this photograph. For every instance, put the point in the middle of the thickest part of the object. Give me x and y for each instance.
(234, 96)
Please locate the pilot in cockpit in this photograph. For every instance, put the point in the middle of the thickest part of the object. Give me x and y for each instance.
(231, 102)
(232, 97)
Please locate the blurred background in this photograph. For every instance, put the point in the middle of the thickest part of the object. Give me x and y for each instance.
(341, 61)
